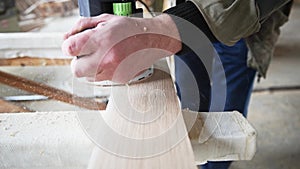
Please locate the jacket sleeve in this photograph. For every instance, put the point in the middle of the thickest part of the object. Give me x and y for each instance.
(223, 17)
(262, 44)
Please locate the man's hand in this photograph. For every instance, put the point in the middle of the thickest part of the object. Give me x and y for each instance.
(118, 48)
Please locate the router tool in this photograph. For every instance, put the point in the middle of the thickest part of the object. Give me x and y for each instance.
(90, 8)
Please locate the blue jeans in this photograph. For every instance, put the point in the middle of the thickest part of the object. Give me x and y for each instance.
(238, 81)
(239, 77)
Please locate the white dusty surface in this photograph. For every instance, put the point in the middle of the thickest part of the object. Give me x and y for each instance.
(42, 140)
(55, 140)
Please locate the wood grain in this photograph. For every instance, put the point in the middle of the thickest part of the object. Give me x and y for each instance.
(149, 116)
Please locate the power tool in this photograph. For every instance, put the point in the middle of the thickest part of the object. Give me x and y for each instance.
(90, 8)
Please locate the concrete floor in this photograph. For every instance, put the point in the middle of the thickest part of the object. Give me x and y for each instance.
(276, 115)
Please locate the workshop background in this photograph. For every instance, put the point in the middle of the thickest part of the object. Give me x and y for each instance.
(274, 109)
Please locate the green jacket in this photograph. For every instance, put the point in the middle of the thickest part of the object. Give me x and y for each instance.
(231, 20)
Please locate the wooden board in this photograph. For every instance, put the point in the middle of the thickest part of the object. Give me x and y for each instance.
(143, 128)
(220, 136)
(33, 44)
(71, 148)
(214, 136)
(33, 61)
(7, 107)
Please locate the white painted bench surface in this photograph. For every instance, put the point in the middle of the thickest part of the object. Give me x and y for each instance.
(55, 140)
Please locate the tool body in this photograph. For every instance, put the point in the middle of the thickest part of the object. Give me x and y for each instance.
(90, 8)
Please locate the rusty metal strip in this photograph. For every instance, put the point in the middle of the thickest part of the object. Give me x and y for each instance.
(50, 92)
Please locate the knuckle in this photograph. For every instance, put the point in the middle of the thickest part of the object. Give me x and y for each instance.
(81, 71)
(67, 48)
(71, 48)
(81, 21)
(122, 20)
(93, 35)
(77, 73)
(105, 15)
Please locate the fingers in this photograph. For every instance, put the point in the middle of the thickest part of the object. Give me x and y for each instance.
(85, 67)
(87, 23)
(82, 24)
(102, 71)
(79, 44)
(101, 76)
(108, 75)
(120, 73)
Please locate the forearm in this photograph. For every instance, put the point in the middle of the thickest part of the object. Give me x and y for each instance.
(166, 33)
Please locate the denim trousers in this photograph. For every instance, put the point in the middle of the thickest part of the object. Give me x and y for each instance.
(199, 86)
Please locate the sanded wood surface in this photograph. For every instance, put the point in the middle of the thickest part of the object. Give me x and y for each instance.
(51, 92)
(148, 128)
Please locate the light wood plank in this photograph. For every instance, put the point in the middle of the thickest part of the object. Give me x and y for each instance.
(71, 148)
(33, 61)
(149, 129)
(220, 136)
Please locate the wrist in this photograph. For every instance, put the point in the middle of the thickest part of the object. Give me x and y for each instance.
(168, 37)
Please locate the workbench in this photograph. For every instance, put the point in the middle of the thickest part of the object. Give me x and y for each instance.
(61, 139)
